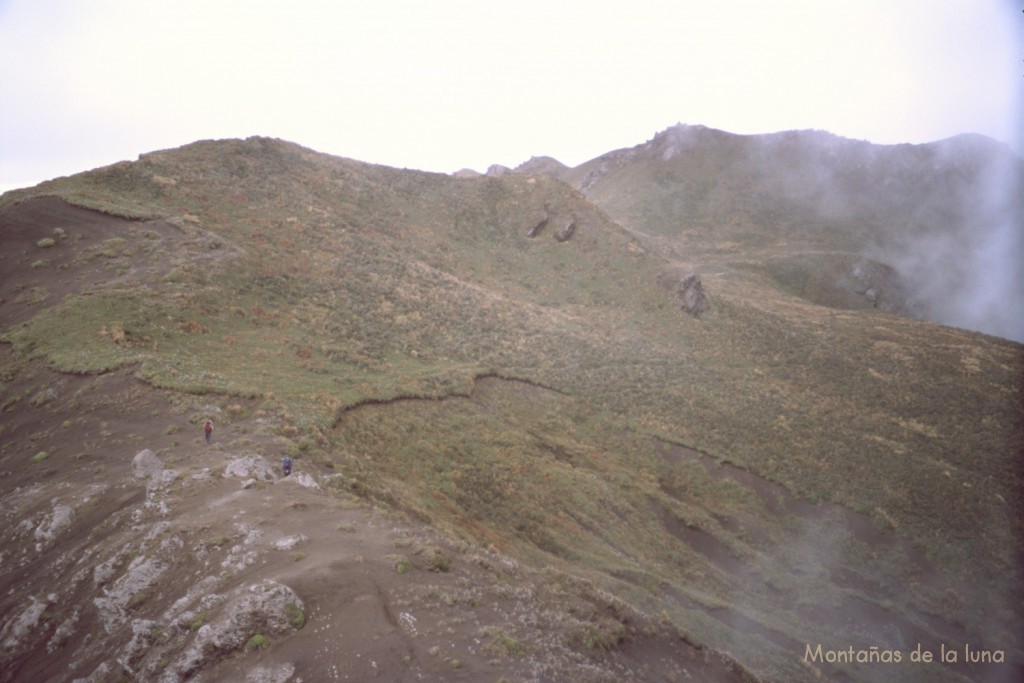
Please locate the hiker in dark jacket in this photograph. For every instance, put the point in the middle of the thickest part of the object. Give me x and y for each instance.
(286, 465)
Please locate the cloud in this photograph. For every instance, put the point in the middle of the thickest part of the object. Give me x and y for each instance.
(455, 83)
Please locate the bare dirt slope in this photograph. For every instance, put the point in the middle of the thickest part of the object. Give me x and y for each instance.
(115, 569)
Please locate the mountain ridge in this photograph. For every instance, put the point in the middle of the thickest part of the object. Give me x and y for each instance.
(426, 346)
(926, 212)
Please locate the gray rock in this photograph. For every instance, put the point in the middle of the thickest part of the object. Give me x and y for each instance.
(53, 524)
(250, 467)
(261, 608)
(282, 673)
(142, 573)
(64, 631)
(18, 628)
(301, 479)
(289, 542)
(686, 286)
(566, 231)
(143, 637)
(146, 464)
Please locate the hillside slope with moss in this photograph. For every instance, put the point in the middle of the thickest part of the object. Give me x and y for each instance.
(928, 230)
(496, 358)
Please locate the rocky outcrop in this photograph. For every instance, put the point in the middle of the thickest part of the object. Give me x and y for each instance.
(882, 286)
(542, 165)
(53, 525)
(566, 231)
(562, 234)
(142, 574)
(497, 170)
(301, 479)
(250, 467)
(685, 285)
(538, 226)
(265, 609)
(145, 464)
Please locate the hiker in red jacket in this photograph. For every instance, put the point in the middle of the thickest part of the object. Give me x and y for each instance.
(208, 430)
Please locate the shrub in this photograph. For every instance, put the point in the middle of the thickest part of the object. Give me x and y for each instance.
(46, 243)
(257, 642)
(439, 562)
(40, 456)
(502, 644)
(295, 615)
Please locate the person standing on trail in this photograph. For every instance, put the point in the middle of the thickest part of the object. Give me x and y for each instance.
(208, 430)
(286, 465)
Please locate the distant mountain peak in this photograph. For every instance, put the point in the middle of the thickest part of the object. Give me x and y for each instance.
(542, 165)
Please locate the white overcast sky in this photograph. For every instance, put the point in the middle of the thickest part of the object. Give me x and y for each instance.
(441, 85)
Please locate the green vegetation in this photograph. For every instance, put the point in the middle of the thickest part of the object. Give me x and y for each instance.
(257, 642)
(501, 643)
(401, 563)
(550, 400)
(296, 617)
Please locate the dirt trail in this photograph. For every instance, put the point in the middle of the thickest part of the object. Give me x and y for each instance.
(145, 562)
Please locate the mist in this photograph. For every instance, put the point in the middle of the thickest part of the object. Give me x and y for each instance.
(969, 273)
(947, 216)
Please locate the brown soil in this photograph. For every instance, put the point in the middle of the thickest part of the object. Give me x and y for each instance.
(378, 605)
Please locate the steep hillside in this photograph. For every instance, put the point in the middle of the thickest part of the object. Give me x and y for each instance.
(507, 374)
(929, 230)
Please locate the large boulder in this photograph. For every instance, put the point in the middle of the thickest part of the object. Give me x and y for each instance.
(146, 464)
(301, 479)
(882, 286)
(250, 467)
(684, 283)
(266, 609)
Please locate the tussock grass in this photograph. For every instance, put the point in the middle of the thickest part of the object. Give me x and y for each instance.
(402, 329)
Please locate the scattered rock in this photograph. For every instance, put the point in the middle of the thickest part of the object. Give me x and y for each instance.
(250, 467)
(289, 542)
(53, 524)
(178, 613)
(882, 286)
(146, 464)
(24, 624)
(143, 631)
(63, 632)
(685, 284)
(239, 558)
(565, 232)
(142, 573)
(271, 674)
(251, 534)
(105, 571)
(262, 608)
(538, 227)
(302, 479)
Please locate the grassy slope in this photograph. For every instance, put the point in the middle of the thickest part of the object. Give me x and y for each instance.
(340, 292)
